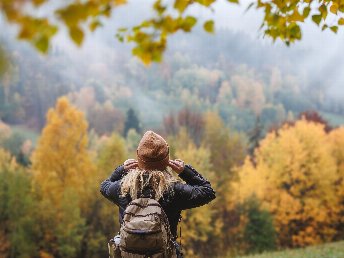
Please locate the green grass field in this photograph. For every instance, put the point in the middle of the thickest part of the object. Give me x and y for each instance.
(332, 250)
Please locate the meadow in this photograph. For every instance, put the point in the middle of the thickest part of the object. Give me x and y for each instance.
(331, 250)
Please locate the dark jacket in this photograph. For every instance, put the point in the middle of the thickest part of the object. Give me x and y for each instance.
(196, 192)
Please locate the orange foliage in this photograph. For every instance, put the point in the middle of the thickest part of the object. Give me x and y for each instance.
(295, 177)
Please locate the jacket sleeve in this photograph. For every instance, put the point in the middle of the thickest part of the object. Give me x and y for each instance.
(196, 192)
(111, 187)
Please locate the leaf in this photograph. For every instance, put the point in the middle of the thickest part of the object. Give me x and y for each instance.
(316, 18)
(188, 23)
(42, 44)
(324, 27)
(120, 37)
(233, 1)
(159, 7)
(77, 35)
(209, 26)
(334, 8)
(306, 11)
(296, 16)
(341, 21)
(323, 11)
(181, 5)
(204, 2)
(3, 61)
(94, 25)
(334, 29)
(295, 31)
(122, 29)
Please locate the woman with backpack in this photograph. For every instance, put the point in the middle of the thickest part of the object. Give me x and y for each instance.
(150, 199)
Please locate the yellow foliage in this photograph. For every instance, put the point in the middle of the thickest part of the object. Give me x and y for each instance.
(200, 224)
(7, 162)
(336, 137)
(294, 178)
(111, 154)
(61, 159)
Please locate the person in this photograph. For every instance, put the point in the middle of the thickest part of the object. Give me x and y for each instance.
(151, 176)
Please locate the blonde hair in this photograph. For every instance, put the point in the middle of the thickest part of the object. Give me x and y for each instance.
(137, 179)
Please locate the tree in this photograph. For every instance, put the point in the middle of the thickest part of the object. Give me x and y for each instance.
(132, 141)
(112, 153)
(192, 121)
(61, 158)
(259, 232)
(64, 180)
(200, 225)
(336, 137)
(18, 217)
(282, 20)
(314, 116)
(105, 223)
(294, 177)
(255, 135)
(131, 122)
(227, 151)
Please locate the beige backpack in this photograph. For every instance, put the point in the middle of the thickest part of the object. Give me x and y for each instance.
(145, 231)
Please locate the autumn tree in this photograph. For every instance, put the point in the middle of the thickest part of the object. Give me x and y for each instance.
(192, 121)
(314, 116)
(105, 119)
(64, 177)
(294, 177)
(61, 159)
(336, 138)
(198, 225)
(105, 220)
(227, 151)
(132, 141)
(18, 210)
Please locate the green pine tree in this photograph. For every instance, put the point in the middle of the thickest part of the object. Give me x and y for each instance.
(259, 232)
(132, 121)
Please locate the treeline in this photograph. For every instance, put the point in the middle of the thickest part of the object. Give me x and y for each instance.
(288, 193)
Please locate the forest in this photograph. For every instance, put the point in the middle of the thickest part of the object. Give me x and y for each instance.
(268, 137)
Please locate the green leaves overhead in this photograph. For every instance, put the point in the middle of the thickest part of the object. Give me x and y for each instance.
(282, 20)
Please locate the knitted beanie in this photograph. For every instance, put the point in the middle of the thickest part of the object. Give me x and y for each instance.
(152, 152)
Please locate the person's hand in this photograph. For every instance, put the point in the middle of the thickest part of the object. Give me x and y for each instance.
(130, 164)
(177, 165)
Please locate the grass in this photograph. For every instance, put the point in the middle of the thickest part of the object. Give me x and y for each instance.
(332, 250)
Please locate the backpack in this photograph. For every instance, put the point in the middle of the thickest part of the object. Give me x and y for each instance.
(145, 231)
